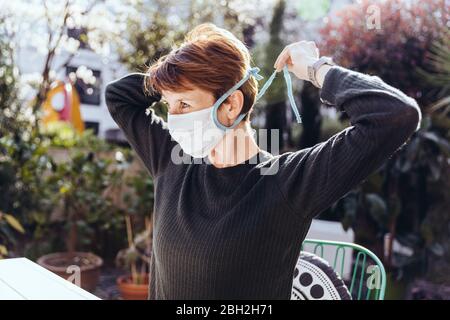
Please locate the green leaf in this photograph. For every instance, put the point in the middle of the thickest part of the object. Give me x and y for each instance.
(13, 222)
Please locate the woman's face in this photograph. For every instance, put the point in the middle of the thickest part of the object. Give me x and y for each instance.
(187, 101)
(181, 102)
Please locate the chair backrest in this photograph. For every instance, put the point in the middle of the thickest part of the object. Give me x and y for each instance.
(366, 278)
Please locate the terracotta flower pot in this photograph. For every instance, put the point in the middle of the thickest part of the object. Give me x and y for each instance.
(130, 291)
(60, 263)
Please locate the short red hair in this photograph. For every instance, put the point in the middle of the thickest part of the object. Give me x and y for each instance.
(210, 58)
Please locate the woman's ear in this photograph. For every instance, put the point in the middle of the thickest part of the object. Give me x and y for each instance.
(234, 105)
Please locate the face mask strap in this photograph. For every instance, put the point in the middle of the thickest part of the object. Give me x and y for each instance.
(252, 72)
(287, 79)
(266, 85)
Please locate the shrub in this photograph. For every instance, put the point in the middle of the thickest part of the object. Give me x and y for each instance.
(394, 51)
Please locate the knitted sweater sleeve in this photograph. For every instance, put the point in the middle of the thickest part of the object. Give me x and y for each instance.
(382, 119)
(146, 132)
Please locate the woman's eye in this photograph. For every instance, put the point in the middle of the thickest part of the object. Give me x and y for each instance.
(184, 105)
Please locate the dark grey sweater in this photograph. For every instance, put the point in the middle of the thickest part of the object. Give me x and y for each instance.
(233, 233)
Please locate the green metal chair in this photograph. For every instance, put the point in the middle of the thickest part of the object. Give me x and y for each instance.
(360, 268)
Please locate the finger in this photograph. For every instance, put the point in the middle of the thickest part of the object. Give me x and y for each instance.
(283, 59)
(275, 65)
(311, 44)
(286, 51)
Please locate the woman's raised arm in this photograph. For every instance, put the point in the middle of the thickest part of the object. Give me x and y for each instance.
(382, 119)
(147, 134)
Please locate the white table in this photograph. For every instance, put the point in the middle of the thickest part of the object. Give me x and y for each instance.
(22, 279)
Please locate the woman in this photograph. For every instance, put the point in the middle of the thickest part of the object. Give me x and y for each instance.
(222, 228)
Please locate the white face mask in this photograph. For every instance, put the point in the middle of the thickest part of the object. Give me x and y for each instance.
(195, 132)
(200, 131)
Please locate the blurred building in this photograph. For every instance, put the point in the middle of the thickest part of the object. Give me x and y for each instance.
(90, 72)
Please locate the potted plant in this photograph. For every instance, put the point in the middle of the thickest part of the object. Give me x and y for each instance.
(78, 187)
(134, 286)
(133, 196)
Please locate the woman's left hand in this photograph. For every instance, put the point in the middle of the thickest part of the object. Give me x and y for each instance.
(298, 56)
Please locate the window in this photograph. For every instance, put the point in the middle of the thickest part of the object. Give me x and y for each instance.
(94, 126)
(87, 82)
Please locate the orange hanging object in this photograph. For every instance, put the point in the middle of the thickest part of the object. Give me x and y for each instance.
(63, 104)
